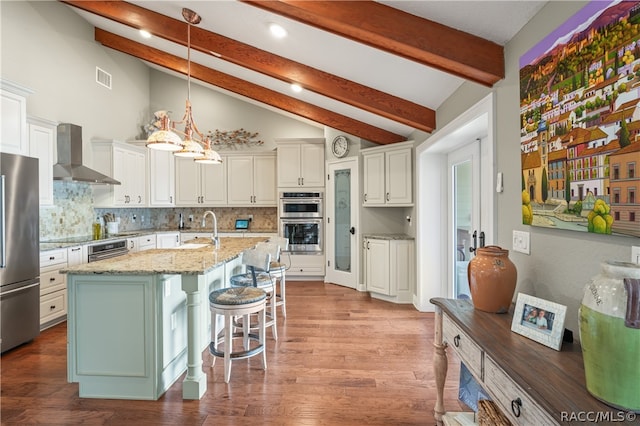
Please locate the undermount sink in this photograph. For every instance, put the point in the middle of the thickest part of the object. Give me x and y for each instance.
(190, 246)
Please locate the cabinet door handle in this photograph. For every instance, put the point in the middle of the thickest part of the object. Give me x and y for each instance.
(367, 245)
(302, 180)
(75, 249)
(352, 230)
(52, 279)
(52, 307)
(516, 404)
(387, 196)
(139, 199)
(365, 197)
(52, 257)
(171, 199)
(456, 341)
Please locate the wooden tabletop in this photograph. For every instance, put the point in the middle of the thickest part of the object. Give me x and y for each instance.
(554, 379)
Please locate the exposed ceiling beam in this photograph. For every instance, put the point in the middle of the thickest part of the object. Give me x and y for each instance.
(349, 92)
(250, 90)
(392, 30)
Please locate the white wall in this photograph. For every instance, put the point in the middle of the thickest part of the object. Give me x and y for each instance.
(561, 262)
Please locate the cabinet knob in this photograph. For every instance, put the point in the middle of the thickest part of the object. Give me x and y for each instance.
(52, 307)
(52, 257)
(456, 341)
(516, 404)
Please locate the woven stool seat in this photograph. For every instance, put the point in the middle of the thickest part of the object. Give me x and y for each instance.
(263, 279)
(237, 296)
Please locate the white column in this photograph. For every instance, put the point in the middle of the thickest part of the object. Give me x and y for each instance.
(195, 383)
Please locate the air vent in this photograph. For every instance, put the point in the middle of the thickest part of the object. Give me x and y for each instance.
(103, 78)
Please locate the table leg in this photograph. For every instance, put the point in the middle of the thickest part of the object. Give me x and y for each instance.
(194, 385)
(440, 365)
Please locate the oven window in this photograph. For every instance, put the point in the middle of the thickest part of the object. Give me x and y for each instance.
(300, 207)
(302, 233)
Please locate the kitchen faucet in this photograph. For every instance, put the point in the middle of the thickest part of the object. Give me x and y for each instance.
(214, 235)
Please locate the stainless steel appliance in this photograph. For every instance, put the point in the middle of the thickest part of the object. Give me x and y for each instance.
(19, 250)
(106, 250)
(301, 204)
(304, 235)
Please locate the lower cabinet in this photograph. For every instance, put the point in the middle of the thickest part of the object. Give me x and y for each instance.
(167, 240)
(304, 265)
(53, 287)
(127, 334)
(390, 268)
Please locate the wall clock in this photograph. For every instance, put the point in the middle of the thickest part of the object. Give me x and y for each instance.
(340, 146)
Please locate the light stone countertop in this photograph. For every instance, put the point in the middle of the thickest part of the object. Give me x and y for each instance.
(388, 236)
(170, 261)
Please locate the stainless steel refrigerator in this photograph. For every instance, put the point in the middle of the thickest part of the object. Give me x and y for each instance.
(20, 252)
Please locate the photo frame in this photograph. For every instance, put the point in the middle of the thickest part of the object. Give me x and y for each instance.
(539, 320)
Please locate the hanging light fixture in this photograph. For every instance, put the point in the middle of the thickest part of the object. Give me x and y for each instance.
(166, 138)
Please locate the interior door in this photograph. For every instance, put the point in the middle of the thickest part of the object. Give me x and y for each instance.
(342, 223)
(464, 217)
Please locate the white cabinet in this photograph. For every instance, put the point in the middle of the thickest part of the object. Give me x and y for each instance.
(42, 145)
(161, 176)
(168, 239)
(77, 255)
(390, 267)
(147, 242)
(14, 137)
(125, 163)
(133, 245)
(188, 236)
(251, 180)
(53, 287)
(198, 184)
(301, 163)
(388, 175)
(304, 265)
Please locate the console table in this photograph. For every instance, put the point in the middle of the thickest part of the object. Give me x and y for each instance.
(531, 383)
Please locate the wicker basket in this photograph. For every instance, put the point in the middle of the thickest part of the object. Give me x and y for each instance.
(490, 415)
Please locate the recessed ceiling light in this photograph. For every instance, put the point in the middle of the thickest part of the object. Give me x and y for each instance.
(296, 87)
(277, 31)
(145, 34)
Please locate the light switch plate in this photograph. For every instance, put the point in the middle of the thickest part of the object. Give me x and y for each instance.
(635, 254)
(521, 242)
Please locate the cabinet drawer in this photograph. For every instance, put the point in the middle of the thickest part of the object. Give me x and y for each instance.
(467, 350)
(51, 281)
(53, 257)
(505, 393)
(53, 305)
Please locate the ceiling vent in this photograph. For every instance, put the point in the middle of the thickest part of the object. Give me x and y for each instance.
(103, 78)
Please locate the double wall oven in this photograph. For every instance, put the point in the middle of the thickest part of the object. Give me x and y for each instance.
(301, 221)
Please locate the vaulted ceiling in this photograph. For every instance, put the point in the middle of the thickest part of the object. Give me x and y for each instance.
(376, 70)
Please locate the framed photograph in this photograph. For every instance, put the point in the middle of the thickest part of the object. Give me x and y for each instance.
(539, 320)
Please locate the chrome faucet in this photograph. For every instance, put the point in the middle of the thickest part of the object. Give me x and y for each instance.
(214, 235)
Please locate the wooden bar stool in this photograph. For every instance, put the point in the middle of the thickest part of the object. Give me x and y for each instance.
(232, 302)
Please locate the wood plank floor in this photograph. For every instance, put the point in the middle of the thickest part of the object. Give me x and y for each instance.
(341, 358)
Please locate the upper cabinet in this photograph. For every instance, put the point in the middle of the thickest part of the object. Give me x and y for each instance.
(14, 136)
(251, 180)
(125, 163)
(301, 163)
(161, 175)
(200, 184)
(388, 175)
(42, 145)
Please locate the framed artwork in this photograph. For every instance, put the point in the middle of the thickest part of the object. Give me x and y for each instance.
(580, 123)
(539, 320)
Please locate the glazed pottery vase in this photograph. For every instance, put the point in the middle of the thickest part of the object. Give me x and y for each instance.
(610, 335)
(492, 279)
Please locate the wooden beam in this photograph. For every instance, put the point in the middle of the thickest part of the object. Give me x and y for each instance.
(250, 90)
(331, 86)
(394, 31)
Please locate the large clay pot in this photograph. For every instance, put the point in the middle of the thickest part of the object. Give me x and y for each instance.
(610, 335)
(492, 279)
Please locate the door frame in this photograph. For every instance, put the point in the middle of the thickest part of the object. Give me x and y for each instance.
(432, 170)
(355, 209)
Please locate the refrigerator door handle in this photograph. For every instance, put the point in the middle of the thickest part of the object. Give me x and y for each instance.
(3, 245)
(19, 289)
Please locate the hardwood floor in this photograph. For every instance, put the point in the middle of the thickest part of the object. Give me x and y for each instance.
(341, 358)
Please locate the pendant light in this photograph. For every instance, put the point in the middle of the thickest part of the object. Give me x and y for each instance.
(192, 145)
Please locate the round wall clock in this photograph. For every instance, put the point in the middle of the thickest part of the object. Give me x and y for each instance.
(340, 146)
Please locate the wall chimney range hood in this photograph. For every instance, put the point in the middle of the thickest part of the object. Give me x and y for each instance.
(69, 166)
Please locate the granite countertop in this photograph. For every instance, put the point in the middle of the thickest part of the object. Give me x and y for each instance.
(192, 261)
(87, 239)
(388, 236)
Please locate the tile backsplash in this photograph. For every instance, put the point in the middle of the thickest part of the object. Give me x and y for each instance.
(73, 214)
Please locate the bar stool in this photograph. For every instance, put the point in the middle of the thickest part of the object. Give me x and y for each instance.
(277, 268)
(232, 302)
(258, 276)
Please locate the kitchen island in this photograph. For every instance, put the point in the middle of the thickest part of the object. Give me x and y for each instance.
(137, 322)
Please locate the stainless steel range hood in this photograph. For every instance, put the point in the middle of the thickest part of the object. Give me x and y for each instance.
(69, 166)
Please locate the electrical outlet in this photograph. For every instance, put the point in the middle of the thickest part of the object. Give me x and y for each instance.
(521, 242)
(190, 218)
(250, 217)
(635, 254)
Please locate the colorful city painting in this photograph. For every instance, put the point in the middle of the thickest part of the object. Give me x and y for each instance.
(580, 123)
